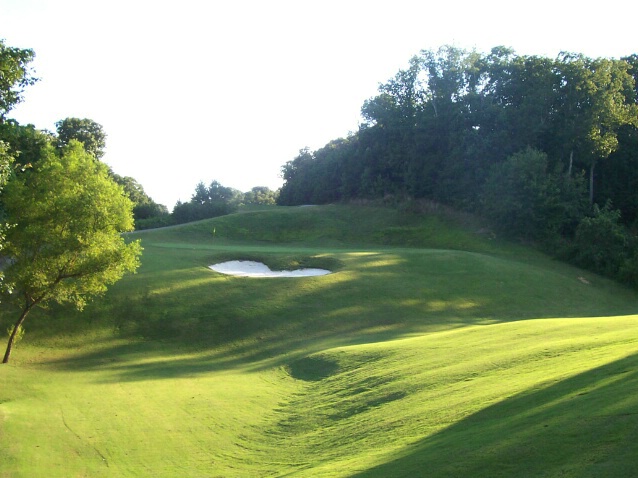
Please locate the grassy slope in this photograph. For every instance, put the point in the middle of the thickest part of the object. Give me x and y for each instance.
(431, 348)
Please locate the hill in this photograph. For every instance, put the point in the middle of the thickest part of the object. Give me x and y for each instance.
(433, 347)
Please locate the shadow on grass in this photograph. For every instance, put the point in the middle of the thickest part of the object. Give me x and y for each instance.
(195, 321)
(583, 426)
(152, 360)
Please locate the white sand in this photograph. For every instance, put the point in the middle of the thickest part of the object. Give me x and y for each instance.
(257, 269)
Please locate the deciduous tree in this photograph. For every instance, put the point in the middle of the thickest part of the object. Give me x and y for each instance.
(15, 75)
(84, 130)
(594, 106)
(64, 244)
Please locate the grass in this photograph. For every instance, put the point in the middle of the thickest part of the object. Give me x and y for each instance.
(447, 353)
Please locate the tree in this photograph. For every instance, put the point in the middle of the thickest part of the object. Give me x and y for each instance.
(5, 169)
(86, 131)
(64, 244)
(26, 143)
(594, 106)
(602, 243)
(143, 205)
(206, 202)
(261, 195)
(15, 75)
(524, 199)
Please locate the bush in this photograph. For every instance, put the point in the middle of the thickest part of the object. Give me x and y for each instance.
(523, 199)
(602, 244)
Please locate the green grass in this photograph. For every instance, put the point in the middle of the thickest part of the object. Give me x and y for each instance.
(432, 350)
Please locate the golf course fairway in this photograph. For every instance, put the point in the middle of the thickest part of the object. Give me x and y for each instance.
(431, 349)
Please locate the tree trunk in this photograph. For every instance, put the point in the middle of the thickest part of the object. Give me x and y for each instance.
(591, 182)
(14, 333)
(571, 162)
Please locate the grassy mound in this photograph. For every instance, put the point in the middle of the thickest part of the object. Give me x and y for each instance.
(432, 348)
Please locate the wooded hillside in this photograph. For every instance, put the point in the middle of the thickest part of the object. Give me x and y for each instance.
(536, 145)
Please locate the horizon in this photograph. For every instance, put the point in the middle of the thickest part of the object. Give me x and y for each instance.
(230, 93)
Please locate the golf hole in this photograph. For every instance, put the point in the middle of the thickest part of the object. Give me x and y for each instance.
(258, 269)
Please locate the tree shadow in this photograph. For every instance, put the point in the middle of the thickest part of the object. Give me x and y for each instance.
(195, 321)
(583, 426)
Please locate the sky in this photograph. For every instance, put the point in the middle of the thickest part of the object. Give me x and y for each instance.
(203, 90)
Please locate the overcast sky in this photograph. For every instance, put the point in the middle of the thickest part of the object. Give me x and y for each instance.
(191, 91)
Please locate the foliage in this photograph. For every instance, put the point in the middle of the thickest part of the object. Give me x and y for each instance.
(437, 128)
(26, 143)
(15, 76)
(593, 105)
(86, 131)
(524, 199)
(207, 201)
(260, 196)
(6, 160)
(144, 208)
(64, 244)
(603, 244)
(446, 128)
(17, 336)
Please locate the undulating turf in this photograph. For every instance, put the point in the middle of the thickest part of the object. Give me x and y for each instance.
(434, 349)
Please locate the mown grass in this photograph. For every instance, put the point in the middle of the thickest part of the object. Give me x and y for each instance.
(449, 353)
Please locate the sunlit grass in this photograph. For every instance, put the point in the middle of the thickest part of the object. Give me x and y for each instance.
(409, 360)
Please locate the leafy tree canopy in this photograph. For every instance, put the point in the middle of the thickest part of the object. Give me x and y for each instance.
(26, 143)
(15, 76)
(64, 244)
(84, 130)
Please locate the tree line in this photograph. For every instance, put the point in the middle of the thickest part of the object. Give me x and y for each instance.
(545, 148)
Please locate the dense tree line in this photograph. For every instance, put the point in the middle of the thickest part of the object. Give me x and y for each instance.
(29, 145)
(217, 200)
(531, 143)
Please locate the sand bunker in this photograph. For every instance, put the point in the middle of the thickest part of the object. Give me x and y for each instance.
(257, 269)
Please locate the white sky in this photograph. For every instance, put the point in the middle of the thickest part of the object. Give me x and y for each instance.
(196, 90)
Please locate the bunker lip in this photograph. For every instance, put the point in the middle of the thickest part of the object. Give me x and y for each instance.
(258, 269)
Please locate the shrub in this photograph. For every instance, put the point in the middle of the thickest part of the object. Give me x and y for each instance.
(602, 244)
(523, 199)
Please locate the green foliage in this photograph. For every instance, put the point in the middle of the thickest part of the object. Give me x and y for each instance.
(207, 201)
(26, 143)
(146, 212)
(18, 336)
(86, 131)
(500, 134)
(260, 196)
(64, 243)
(524, 199)
(15, 75)
(6, 160)
(603, 244)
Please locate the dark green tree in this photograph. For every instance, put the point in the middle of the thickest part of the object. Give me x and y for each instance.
(525, 199)
(84, 130)
(144, 207)
(593, 107)
(603, 244)
(27, 144)
(206, 202)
